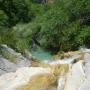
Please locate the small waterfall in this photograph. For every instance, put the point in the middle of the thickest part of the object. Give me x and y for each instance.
(63, 61)
(61, 81)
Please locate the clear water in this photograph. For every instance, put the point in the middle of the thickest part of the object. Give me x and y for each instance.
(41, 54)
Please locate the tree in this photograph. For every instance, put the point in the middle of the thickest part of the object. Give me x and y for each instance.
(16, 11)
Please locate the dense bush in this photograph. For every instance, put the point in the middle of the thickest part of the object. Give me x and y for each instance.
(83, 37)
(14, 39)
(62, 25)
(16, 11)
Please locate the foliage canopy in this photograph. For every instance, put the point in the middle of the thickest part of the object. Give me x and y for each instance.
(62, 25)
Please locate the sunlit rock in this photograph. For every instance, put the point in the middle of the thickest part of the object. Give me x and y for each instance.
(75, 77)
(17, 59)
(40, 82)
(85, 50)
(86, 84)
(57, 68)
(69, 54)
(25, 78)
(67, 74)
(6, 66)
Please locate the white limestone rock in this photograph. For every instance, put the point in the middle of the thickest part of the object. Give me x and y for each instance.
(75, 77)
(22, 76)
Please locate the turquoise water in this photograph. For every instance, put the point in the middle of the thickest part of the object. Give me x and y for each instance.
(41, 54)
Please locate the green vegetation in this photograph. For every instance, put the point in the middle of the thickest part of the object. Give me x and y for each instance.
(60, 26)
(9, 56)
(15, 11)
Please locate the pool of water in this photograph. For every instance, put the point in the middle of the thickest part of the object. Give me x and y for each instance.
(41, 54)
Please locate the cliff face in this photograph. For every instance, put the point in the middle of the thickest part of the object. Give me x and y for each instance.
(66, 74)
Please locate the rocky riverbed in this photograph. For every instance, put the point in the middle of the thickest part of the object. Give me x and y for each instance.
(71, 73)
